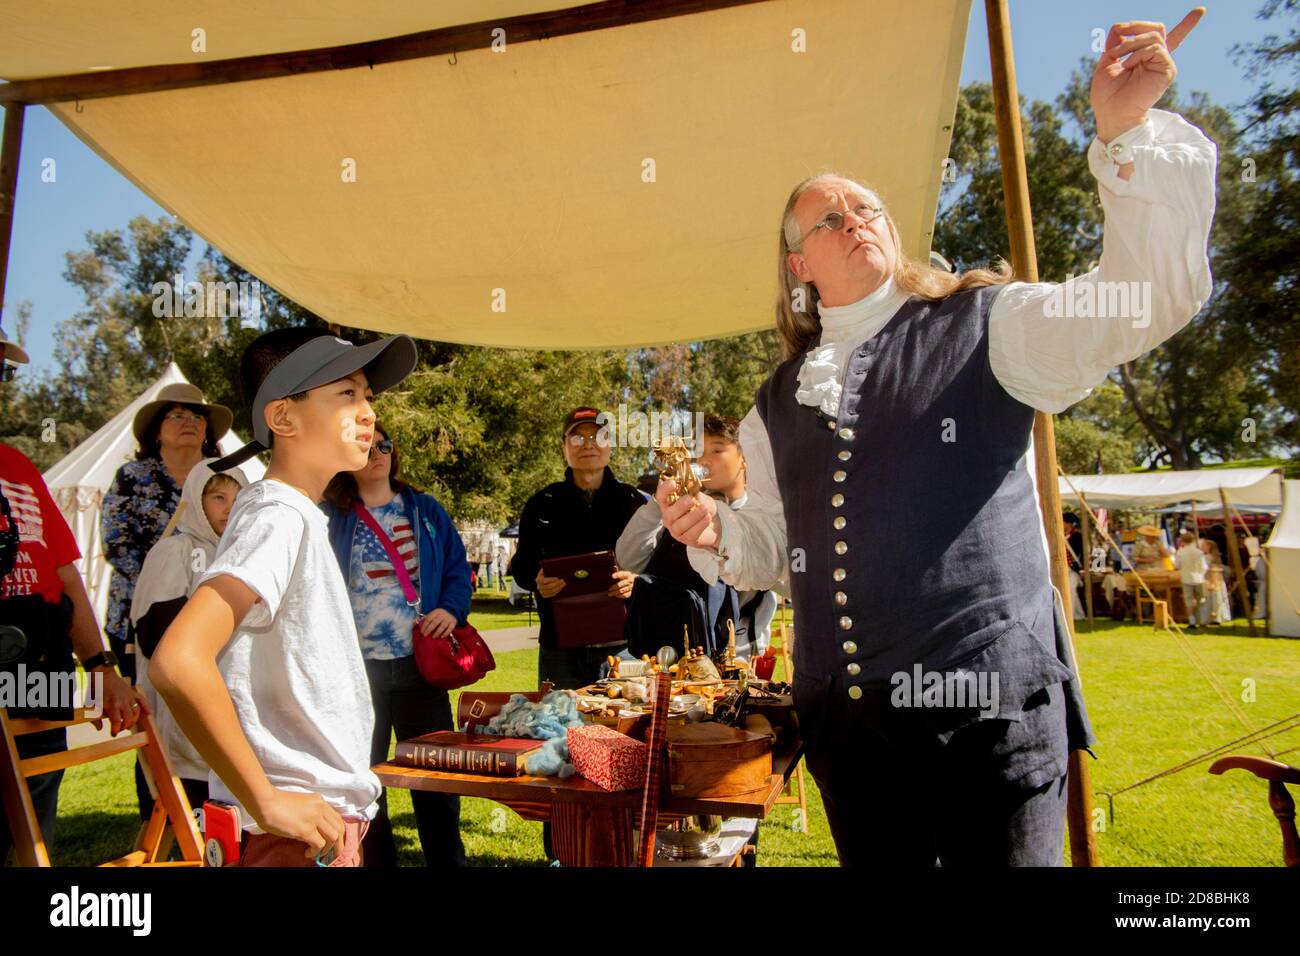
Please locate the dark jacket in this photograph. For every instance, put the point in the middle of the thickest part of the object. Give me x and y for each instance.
(559, 521)
(444, 573)
(670, 595)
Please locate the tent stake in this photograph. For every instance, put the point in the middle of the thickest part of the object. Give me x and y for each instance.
(13, 139)
(1020, 233)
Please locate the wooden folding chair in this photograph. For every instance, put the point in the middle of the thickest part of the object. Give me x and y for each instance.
(1280, 801)
(796, 782)
(172, 816)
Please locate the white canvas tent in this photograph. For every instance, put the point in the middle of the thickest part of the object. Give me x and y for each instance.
(1159, 489)
(1283, 552)
(79, 481)
(1247, 489)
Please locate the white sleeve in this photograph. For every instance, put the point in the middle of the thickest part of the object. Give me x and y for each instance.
(1051, 343)
(752, 550)
(260, 549)
(637, 542)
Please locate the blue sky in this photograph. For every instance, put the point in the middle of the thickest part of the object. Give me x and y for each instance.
(1049, 36)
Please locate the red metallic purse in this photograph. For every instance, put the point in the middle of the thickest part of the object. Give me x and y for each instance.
(456, 660)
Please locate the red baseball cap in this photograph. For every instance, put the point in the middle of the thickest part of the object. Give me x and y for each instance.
(580, 416)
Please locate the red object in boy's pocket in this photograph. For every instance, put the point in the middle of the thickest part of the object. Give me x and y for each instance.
(221, 834)
(457, 660)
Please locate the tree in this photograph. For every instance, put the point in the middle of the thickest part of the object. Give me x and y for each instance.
(1260, 250)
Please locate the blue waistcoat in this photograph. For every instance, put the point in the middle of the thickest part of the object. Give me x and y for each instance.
(913, 529)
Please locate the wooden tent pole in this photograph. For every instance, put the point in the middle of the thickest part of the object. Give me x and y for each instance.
(1020, 233)
(1085, 559)
(12, 143)
(1235, 557)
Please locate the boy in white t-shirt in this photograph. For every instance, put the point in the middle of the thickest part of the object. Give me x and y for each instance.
(262, 668)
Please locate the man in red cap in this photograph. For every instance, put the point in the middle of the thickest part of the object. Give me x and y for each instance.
(585, 512)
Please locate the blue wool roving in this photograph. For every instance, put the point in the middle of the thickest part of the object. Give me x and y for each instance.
(548, 719)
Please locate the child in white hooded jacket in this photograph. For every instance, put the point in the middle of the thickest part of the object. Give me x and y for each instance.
(168, 577)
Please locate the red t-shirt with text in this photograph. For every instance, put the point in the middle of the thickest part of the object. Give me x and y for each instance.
(45, 542)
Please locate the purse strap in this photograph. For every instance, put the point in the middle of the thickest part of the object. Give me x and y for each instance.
(399, 565)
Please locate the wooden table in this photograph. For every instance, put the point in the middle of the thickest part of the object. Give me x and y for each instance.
(1166, 585)
(590, 826)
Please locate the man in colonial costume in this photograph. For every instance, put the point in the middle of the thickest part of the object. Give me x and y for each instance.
(892, 486)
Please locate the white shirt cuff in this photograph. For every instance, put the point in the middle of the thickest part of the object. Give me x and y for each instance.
(709, 565)
(1105, 159)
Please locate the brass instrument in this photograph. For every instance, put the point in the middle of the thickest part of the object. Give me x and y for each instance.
(673, 461)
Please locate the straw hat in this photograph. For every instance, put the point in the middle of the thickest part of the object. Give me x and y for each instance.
(1148, 531)
(182, 393)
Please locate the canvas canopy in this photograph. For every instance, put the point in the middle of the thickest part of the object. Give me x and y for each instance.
(1283, 552)
(79, 481)
(1158, 489)
(601, 188)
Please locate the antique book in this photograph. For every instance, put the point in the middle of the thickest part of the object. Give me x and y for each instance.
(464, 753)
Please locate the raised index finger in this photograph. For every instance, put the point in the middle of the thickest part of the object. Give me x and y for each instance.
(1179, 33)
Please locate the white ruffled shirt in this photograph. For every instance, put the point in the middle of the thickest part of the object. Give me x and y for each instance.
(843, 328)
(1157, 233)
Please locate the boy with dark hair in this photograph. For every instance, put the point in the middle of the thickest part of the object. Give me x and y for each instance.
(262, 668)
(669, 593)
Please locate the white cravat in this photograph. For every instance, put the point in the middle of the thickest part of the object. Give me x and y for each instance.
(843, 327)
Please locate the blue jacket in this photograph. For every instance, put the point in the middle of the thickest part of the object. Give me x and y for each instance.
(444, 569)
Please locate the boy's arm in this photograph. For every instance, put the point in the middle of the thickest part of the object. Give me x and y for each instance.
(184, 671)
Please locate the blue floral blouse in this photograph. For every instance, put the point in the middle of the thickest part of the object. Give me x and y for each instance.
(135, 513)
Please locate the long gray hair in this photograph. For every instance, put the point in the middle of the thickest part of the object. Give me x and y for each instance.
(798, 327)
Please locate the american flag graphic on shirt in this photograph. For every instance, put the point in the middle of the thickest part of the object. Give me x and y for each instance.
(26, 509)
(383, 617)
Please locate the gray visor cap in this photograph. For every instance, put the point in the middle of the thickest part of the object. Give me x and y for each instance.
(327, 359)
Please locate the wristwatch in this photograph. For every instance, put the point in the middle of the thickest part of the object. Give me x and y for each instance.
(102, 659)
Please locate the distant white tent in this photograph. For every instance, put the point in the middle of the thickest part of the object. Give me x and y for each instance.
(1157, 489)
(1283, 552)
(79, 481)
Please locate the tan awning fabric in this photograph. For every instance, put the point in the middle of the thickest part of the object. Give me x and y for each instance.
(519, 171)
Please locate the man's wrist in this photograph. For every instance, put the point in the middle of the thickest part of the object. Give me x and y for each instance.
(1109, 131)
(105, 661)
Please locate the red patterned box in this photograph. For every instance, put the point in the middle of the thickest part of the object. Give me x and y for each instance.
(610, 760)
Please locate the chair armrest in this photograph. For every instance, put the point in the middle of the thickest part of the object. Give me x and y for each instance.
(1261, 767)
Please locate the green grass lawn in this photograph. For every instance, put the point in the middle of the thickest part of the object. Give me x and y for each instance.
(1149, 707)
